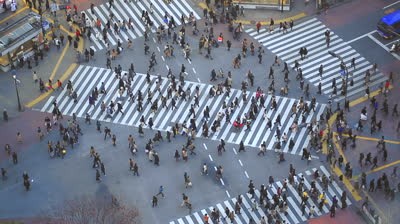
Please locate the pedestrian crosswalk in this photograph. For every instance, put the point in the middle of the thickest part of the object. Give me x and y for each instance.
(124, 10)
(87, 78)
(310, 34)
(294, 212)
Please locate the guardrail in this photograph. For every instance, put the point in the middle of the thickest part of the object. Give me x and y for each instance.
(370, 215)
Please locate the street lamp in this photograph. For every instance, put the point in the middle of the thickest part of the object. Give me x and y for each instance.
(16, 81)
(345, 71)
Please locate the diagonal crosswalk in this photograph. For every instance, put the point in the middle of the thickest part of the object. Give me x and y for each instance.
(123, 10)
(310, 34)
(294, 213)
(87, 78)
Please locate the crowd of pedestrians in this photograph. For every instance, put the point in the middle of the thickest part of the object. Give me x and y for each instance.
(318, 129)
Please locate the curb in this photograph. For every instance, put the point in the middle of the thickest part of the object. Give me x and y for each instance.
(203, 5)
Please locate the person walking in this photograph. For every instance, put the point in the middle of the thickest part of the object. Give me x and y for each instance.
(154, 201)
(26, 181)
(135, 170)
(332, 211)
(103, 168)
(241, 146)
(327, 38)
(161, 191)
(374, 162)
(15, 157)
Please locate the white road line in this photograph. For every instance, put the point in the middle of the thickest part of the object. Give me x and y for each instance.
(234, 151)
(383, 46)
(210, 157)
(394, 3)
(241, 164)
(189, 220)
(162, 57)
(227, 193)
(198, 79)
(222, 181)
(247, 175)
(360, 37)
(389, 44)
(231, 209)
(198, 218)
(158, 48)
(49, 101)
(167, 67)
(194, 70)
(205, 146)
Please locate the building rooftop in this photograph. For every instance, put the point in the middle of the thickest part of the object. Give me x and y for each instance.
(16, 31)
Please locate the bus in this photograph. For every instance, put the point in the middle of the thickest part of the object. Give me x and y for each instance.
(389, 25)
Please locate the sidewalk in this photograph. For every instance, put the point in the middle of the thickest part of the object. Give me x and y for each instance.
(342, 216)
(298, 11)
(59, 60)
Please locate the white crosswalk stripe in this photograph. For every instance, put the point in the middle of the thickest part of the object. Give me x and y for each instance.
(310, 34)
(125, 10)
(87, 78)
(294, 214)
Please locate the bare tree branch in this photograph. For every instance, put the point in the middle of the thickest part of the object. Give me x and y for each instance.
(91, 210)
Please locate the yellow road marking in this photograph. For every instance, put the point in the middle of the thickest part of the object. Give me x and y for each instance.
(66, 46)
(379, 168)
(330, 122)
(364, 98)
(203, 5)
(19, 11)
(374, 139)
(338, 147)
(46, 94)
(339, 172)
(347, 183)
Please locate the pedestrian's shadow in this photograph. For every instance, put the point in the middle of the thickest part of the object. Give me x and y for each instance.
(103, 192)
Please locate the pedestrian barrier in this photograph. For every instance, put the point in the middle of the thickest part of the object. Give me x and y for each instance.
(370, 215)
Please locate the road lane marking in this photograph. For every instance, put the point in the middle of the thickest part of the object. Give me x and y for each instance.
(46, 94)
(210, 157)
(205, 146)
(394, 3)
(383, 46)
(360, 37)
(241, 164)
(247, 175)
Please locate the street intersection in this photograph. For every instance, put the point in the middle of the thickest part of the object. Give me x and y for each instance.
(56, 180)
